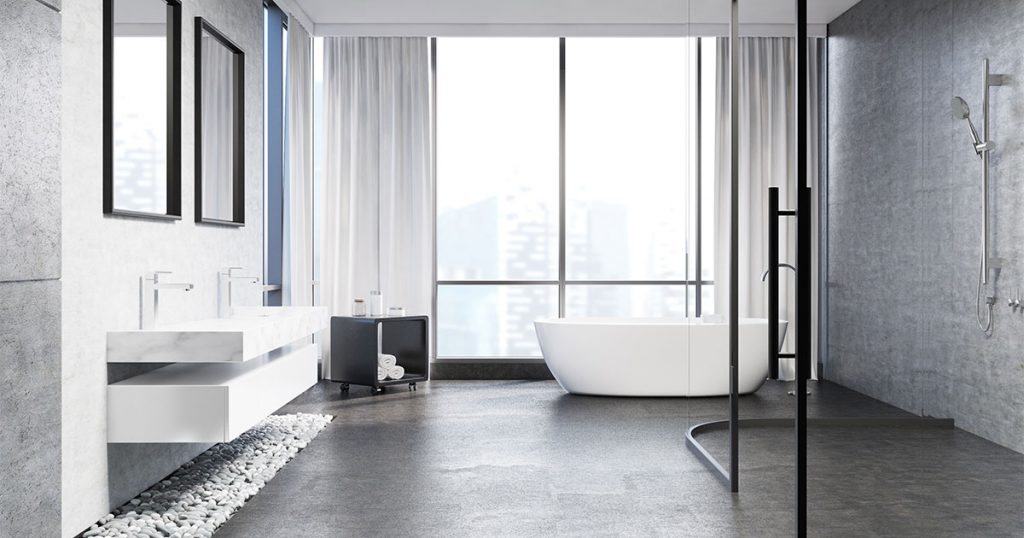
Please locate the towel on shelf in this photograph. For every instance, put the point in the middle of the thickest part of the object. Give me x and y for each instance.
(382, 374)
(396, 372)
(386, 361)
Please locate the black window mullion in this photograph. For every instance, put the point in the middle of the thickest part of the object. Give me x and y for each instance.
(561, 177)
(274, 196)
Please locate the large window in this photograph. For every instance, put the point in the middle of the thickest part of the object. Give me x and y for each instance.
(568, 184)
(628, 170)
(497, 204)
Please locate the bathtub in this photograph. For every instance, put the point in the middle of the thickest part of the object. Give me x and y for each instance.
(653, 357)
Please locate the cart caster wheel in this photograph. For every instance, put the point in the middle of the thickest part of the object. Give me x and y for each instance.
(344, 387)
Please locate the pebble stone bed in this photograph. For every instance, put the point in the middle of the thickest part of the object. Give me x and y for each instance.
(205, 492)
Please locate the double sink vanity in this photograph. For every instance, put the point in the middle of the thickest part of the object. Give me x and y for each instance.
(216, 377)
(227, 374)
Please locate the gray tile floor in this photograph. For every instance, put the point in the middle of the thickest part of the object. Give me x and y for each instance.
(520, 458)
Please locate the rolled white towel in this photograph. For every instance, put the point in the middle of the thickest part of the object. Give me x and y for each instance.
(382, 374)
(396, 372)
(386, 361)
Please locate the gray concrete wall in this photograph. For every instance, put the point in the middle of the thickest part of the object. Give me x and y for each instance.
(30, 286)
(103, 257)
(905, 210)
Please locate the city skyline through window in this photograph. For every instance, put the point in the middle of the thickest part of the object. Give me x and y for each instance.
(623, 168)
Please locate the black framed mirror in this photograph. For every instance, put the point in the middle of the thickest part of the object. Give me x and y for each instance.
(142, 108)
(220, 128)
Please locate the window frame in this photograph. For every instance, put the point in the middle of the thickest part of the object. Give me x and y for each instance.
(275, 143)
(561, 282)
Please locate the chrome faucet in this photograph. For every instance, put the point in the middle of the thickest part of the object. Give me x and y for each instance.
(225, 279)
(765, 275)
(149, 303)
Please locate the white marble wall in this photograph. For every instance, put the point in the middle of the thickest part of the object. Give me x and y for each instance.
(904, 210)
(103, 257)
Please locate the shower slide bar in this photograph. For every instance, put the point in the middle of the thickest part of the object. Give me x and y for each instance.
(984, 151)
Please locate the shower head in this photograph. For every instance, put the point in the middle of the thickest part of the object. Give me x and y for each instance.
(960, 109)
(963, 112)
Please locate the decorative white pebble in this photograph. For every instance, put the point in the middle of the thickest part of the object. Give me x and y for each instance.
(205, 492)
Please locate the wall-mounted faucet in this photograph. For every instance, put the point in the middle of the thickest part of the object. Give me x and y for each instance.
(1015, 302)
(149, 303)
(225, 279)
(786, 265)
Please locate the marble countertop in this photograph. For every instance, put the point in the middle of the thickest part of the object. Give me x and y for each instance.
(250, 333)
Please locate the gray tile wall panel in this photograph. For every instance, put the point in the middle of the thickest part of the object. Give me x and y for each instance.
(30, 289)
(30, 411)
(30, 51)
(904, 210)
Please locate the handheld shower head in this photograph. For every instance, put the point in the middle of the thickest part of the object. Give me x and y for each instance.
(960, 109)
(963, 112)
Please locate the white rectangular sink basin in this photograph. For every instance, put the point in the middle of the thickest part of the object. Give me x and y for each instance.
(250, 333)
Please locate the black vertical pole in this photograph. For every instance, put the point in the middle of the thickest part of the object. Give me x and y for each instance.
(803, 277)
(734, 258)
(773, 283)
(698, 265)
(803, 356)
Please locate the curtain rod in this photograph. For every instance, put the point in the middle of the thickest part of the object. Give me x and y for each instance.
(560, 30)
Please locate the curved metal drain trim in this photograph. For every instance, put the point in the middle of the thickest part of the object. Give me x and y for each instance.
(849, 422)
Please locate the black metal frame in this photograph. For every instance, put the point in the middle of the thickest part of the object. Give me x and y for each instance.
(238, 120)
(803, 215)
(734, 249)
(805, 209)
(773, 283)
(173, 210)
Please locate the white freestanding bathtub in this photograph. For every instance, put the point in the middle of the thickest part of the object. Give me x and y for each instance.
(653, 357)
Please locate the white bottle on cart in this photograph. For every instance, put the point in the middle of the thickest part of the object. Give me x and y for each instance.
(376, 303)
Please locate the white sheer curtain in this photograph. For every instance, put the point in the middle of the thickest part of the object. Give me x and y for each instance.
(298, 234)
(378, 188)
(766, 159)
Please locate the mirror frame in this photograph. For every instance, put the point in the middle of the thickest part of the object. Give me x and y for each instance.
(173, 211)
(238, 117)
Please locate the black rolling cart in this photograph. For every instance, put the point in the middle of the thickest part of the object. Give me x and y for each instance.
(357, 342)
